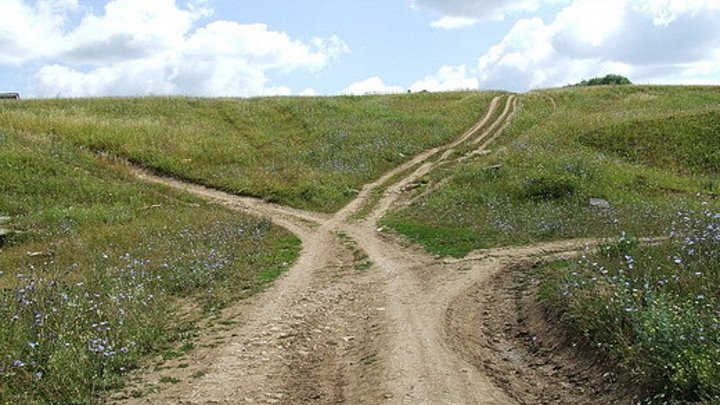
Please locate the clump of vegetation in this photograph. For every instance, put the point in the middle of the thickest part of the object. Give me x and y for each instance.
(607, 80)
(99, 263)
(310, 152)
(654, 309)
(559, 157)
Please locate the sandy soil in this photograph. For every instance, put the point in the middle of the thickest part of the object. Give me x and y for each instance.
(411, 329)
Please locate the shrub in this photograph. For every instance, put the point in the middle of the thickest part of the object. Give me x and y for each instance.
(607, 80)
(547, 188)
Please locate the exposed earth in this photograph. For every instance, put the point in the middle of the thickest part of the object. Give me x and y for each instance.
(364, 317)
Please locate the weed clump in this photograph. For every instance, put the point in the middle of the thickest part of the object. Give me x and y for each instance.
(547, 188)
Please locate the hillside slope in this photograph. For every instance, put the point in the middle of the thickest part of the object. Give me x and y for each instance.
(646, 152)
(311, 153)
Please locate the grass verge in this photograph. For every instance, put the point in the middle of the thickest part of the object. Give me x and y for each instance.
(653, 309)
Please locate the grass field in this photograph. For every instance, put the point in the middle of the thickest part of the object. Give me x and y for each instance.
(653, 155)
(98, 262)
(312, 153)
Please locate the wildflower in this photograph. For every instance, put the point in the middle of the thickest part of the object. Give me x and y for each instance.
(18, 364)
(38, 375)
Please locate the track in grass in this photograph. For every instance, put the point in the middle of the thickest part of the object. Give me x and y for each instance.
(330, 331)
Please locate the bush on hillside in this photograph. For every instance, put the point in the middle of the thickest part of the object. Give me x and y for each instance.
(607, 80)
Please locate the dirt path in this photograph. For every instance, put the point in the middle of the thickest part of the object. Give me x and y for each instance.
(329, 332)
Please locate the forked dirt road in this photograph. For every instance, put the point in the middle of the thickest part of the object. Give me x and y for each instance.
(330, 331)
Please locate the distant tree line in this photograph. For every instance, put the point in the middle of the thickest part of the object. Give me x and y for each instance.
(607, 80)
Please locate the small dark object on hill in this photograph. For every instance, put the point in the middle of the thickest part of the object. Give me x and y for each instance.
(14, 96)
(604, 81)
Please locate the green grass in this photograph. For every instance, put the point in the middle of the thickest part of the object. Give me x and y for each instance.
(648, 151)
(310, 153)
(113, 264)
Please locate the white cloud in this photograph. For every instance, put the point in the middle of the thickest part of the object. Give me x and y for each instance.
(28, 32)
(128, 29)
(373, 85)
(644, 39)
(666, 11)
(138, 47)
(448, 78)
(451, 23)
(308, 92)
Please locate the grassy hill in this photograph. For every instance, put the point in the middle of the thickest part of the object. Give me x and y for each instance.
(647, 151)
(612, 162)
(98, 262)
(312, 153)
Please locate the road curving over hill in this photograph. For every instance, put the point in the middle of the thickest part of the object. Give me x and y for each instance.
(361, 317)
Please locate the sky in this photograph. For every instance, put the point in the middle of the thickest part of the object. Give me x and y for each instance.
(246, 48)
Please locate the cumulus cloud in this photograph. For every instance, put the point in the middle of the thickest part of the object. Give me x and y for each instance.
(32, 31)
(448, 78)
(644, 39)
(138, 47)
(372, 85)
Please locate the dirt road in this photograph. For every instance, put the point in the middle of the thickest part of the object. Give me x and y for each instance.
(406, 330)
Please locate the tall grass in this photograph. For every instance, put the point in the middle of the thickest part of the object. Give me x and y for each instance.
(306, 152)
(99, 263)
(655, 310)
